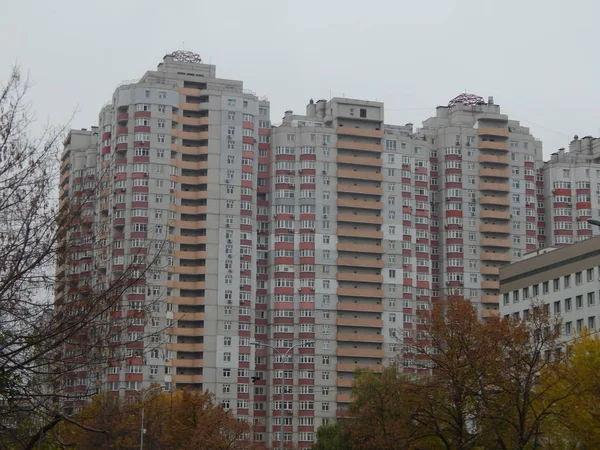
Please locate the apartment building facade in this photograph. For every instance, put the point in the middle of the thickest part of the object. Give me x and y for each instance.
(572, 192)
(173, 170)
(332, 231)
(565, 280)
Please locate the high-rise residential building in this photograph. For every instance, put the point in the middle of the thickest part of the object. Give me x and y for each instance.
(487, 194)
(175, 194)
(332, 231)
(572, 192)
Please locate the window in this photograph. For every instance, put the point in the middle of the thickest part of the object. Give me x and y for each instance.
(556, 284)
(579, 302)
(567, 304)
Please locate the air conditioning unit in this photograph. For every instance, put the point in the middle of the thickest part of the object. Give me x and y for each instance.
(227, 225)
(227, 181)
(229, 241)
(324, 172)
(325, 216)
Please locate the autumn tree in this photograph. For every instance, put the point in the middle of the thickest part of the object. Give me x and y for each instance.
(382, 414)
(462, 352)
(179, 420)
(489, 385)
(333, 436)
(578, 423)
(516, 406)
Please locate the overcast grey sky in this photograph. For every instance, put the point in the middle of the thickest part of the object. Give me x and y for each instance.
(538, 58)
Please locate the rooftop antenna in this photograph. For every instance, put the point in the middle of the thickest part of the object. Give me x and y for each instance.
(183, 45)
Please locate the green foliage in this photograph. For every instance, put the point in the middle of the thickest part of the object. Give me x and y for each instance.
(332, 437)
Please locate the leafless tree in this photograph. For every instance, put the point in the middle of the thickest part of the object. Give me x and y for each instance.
(46, 344)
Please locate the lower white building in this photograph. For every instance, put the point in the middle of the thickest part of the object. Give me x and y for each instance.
(566, 280)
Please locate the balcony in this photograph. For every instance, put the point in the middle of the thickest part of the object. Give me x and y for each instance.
(359, 160)
(491, 200)
(186, 284)
(363, 204)
(363, 132)
(187, 379)
(493, 145)
(500, 257)
(189, 180)
(188, 224)
(192, 92)
(367, 307)
(359, 218)
(196, 121)
(189, 255)
(365, 146)
(488, 270)
(186, 363)
(122, 117)
(360, 262)
(343, 398)
(193, 106)
(490, 214)
(494, 159)
(344, 382)
(359, 248)
(499, 132)
(355, 292)
(495, 243)
(188, 209)
(360, 277)
(360, 175)
(498, 187)
(179, 331)
(192, 165)
(194, 150)
(191, 195)
(187, 239)
(490, 299)
(496, 173)
(494, 228)
(490, 285)
(355, 367)
(185, 347)
(359, 189)
(190, 270)
(352, 322)
(360, 352)
(359, 337)
(360, 232)
(194, 316)
(190, 135)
